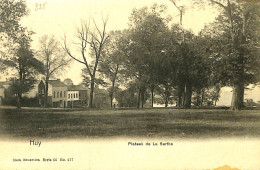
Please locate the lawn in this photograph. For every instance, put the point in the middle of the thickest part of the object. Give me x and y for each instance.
(177, 123)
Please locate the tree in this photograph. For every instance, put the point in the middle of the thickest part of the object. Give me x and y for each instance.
(127, 97)
(148, 38)
(18, 56)
(214, 94)
(27, 67)
(113, 56)
(184, 86)
(166, 71)
(54, 58)
(237, 37)
(96, 40)
(11, 13)
(186, 63)
(68, 82)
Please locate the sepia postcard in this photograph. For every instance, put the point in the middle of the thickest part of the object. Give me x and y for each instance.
(133, 84)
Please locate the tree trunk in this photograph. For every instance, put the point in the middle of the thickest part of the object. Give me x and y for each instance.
(113, 85)
(237, 102)
(152, 91)
(188, 94)
(179, 101)
(184, 92)
(180, 93)
(46, 92)
(111, 100)
(142, 101)
(142, 97)
(166, 97)
(138, 100)
(202, 97)
(166, 102)
(19, 98)
(92, 85)
(21, 84)
(197, 99)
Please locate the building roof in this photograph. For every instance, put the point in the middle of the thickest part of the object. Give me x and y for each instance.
(76, 88)
(57, 83)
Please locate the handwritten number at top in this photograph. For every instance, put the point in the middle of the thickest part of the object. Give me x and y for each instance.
(40, 6)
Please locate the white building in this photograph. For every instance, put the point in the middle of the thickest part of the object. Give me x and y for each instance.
(77, 96)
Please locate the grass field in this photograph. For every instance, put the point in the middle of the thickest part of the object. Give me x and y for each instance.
(199, 123)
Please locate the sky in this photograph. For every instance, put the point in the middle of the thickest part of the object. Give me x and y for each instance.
(59, 17)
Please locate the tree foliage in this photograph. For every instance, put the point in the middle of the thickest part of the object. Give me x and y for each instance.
(147, 42)
(236, 46)
(18, 56)
(26, 68)
(113, 57)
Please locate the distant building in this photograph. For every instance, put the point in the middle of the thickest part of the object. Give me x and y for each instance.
(77, 96)
(57, 93)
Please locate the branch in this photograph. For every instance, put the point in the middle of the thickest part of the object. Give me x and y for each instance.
(218, 3)
(174, 3)
(59, 66)
(96, 27)
(83, 37)
(68, 52)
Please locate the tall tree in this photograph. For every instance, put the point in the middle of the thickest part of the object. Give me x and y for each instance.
(96, 40)
(113, 56)
(19, 57)
(184, 86)
(148, 39)
(238, 41)
(54, 58)
(26, 68)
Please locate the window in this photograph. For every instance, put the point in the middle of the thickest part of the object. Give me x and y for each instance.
(68, 95)
(53, 94)
(60, 93)
(64, 93)
(74, 95)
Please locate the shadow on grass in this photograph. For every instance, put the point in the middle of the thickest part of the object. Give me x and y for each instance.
(53, 124)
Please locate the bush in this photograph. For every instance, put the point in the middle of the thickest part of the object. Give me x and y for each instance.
(26, 102)
(30, 102)
(9, 101)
